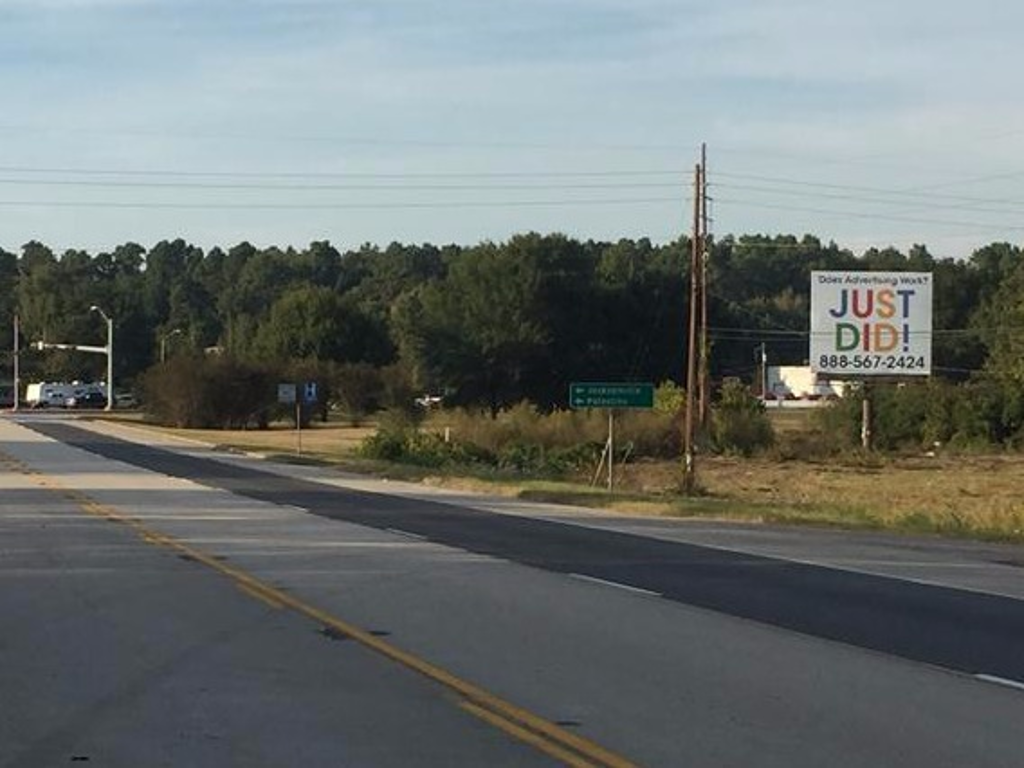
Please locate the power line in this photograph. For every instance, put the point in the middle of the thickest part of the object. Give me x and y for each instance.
(861, 215)
(724, 332)
(362, 141)
(42, 170)
(329, 187)
(117, 204)
(877, 159)
(917, 198)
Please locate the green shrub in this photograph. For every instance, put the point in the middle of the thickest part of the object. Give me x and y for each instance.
(973, 415)
(523, 457)
(529, 458)
(652, 433)
(384, 445)
(575, 458)
(356, 389)
(521, 440)
(408, 445)
(899, 416)
(522, 424)
(738, 421)
(840, 421)
(397, 389)
(669, 397)
(209, 392)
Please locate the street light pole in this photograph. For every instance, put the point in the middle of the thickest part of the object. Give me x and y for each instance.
(110, 356)
(163, 343)
(17, 362)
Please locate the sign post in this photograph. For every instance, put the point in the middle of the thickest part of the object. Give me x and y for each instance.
(308, 398)
(610, 395)
(287, 394)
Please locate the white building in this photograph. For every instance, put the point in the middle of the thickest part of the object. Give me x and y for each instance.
(799, 385)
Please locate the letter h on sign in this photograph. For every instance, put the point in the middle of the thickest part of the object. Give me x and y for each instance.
(309, 392)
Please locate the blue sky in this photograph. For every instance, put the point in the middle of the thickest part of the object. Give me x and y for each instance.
(286, 121)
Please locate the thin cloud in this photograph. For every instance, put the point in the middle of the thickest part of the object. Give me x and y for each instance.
(822, 90)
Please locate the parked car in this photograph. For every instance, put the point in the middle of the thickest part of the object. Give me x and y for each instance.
(87, 400)
(125, 400)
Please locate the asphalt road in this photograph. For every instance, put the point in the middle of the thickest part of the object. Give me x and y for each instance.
(659, 650)
(969, 632)
(112, 654)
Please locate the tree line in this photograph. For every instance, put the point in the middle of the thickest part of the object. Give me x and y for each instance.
(487, 325)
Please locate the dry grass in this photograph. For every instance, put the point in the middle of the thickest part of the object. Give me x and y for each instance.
(975, 495)
(322, 441)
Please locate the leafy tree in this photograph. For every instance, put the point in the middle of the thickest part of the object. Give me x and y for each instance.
(738, 421)
(316, 323)
(357, 390)
(1003, 316)
(209, 391)
(384, 275)
(498, 323)
(8, 296)
(479, 330)
(166, 268)
(322, 263)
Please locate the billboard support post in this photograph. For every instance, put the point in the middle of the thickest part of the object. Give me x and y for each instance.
(865, 416)
(611, 446)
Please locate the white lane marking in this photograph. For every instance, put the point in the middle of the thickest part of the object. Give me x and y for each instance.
(295, 507)
(1015, 684)
(617, 585)
(782, 558)
(407, 534)
(912, 564)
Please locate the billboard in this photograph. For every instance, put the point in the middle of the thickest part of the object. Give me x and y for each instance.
(871, 324)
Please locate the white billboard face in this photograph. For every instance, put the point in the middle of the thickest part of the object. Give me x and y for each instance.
(871, 323)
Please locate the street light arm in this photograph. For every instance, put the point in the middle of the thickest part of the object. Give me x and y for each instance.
(163, 342)
(41, 345)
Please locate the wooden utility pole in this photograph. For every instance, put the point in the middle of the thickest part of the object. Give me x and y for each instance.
(703, 371)
(689, 425)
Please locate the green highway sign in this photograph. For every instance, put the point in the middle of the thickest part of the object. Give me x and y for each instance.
(611, 395)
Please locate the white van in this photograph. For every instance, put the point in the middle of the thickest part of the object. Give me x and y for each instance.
(47, 394)
(57, 394)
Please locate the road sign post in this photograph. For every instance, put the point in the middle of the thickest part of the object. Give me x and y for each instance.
(287, 394)
(610, 395)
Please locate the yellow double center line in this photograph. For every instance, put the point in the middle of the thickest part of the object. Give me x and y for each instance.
(569, 748)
